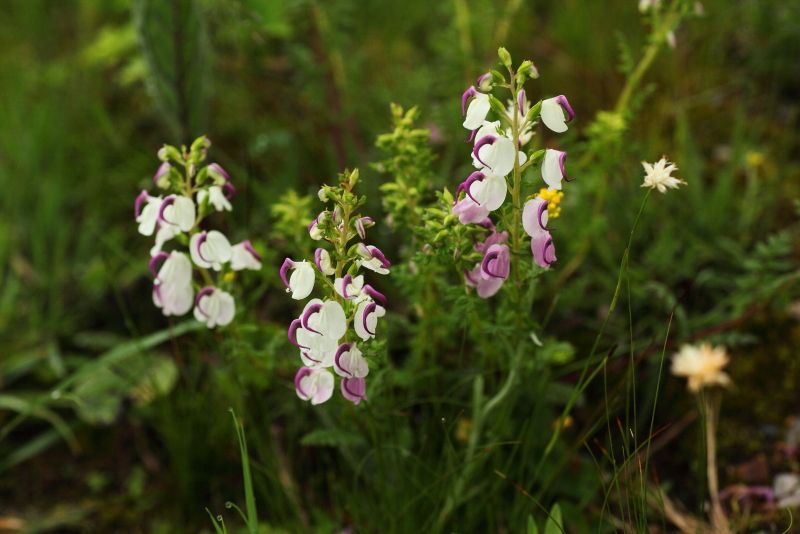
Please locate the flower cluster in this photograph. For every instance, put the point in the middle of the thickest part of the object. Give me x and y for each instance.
(500, 154)
(191, 190)
(322, 332)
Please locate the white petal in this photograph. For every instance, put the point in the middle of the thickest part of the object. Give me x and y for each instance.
(553, 115)
(324, 386)
(195, 252)
(242, 258)
(301, 282)
(216, 249)
(490, 192)
(149, 215)
(181, 213)
(551, 169)
(499, 156)
(164, 234)
(476, 111)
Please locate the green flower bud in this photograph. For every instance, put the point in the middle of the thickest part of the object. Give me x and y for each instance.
(505, 57)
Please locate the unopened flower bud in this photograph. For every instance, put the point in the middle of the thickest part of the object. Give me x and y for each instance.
(484, 82)
(505, 57)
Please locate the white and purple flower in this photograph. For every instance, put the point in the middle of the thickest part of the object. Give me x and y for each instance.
(314, 384)
(556, 113)
(301, 282)
(214, 307)
(244, 256)
(172, 287)
(210, 250)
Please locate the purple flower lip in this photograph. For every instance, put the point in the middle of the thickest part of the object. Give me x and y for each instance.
(229, 190)
(287, 264)
(346, 280)
(301, 374)
(310, 310)
(540, 215)
(564, 103)
(468, 95)
(354, 389)
(308, 357)
(344, 347)
(292, 334)
(169, 201)
(495, 263)
(476, 176)
(162, 170)
(482, 78)
(483, 141)
(200, 240)
(216, 168)
(318, 258)
(202, 293)
(376, 253)
(470, 278)
(154, 261)
(370, 308)
(562, 163)
(137, 206)
(472, 134)
(374, 294)
(248, 246)
(314, 222)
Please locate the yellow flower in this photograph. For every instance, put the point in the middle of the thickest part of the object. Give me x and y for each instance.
(754, 159)
(553, 199)
(702, 366)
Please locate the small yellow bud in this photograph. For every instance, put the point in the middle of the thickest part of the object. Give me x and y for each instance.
(229, 276)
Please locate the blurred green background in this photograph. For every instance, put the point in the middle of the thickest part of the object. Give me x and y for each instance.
(291, 92)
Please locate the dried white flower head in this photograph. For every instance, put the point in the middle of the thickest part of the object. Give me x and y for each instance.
(701, 365)
(658, 175)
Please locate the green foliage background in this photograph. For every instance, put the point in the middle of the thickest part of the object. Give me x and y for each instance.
(110, 418)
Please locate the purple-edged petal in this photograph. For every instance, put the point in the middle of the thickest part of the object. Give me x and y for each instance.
(468, 95)
(534, 216)
(543, 249)
(354, 389)
(496, 262)
(153, 264)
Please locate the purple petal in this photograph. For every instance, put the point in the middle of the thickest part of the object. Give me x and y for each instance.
(248, 246)
(521, 100)
(169, 201)
(161, 171)
(154, 260)
(564, 103)
(292, 333)
(483, 141)
(318, 258)
(562, 162)
(309, 311)
(346, 281)
(344, 347)
(374, 294)
(229, 190)
(137, 206)
(287, 264)
(375, 252)
(476, 176)
(369, 308)
(354, 389)
(468, 95)
(216, 168)
(301, 373)
(202, 293)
